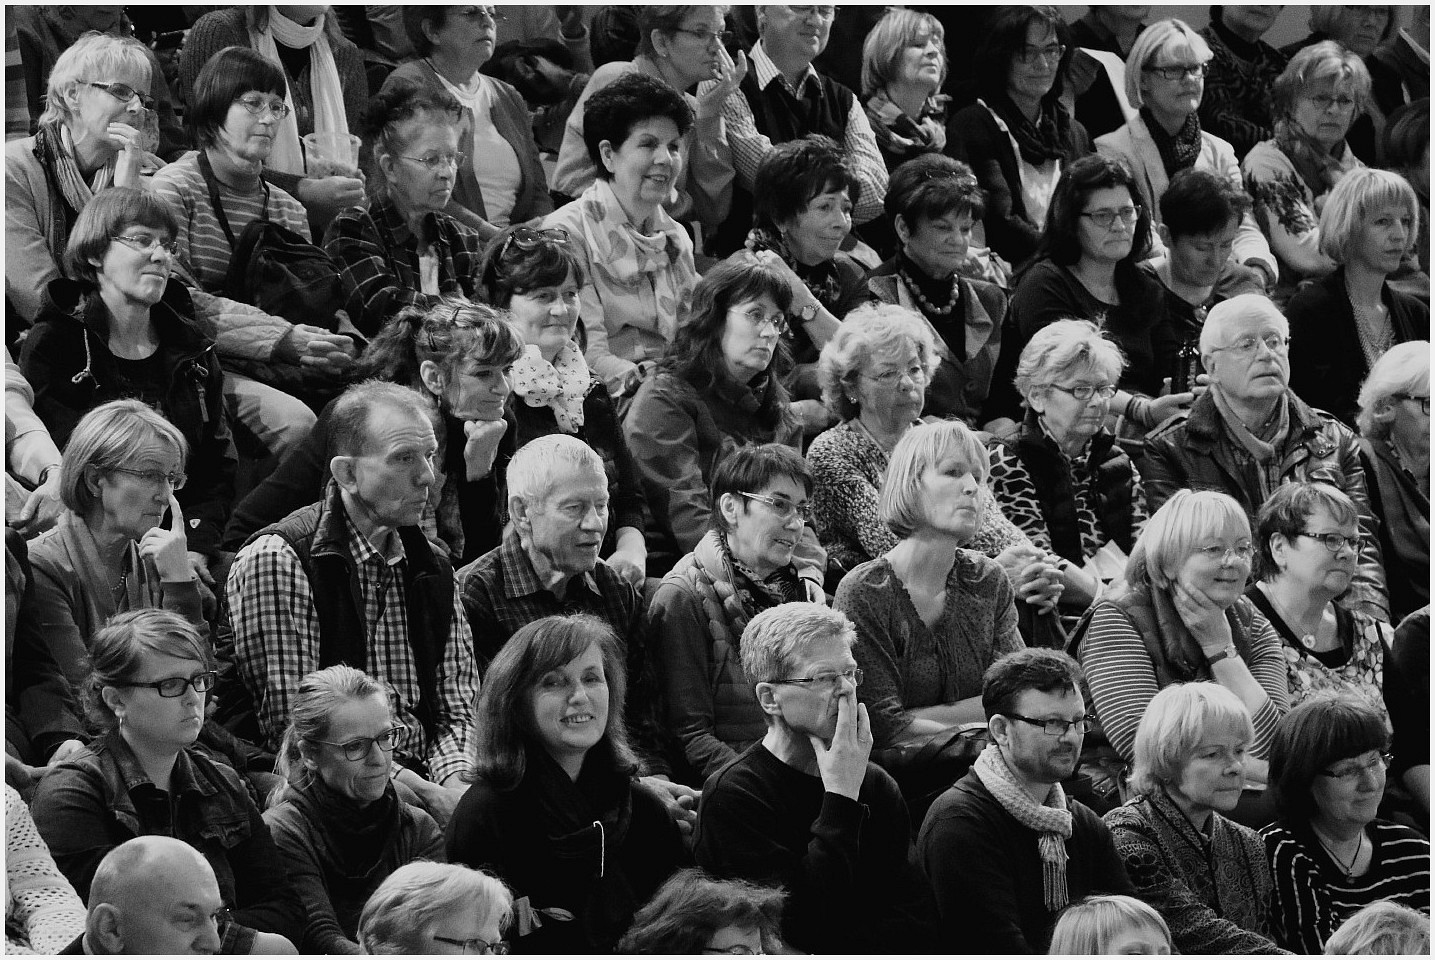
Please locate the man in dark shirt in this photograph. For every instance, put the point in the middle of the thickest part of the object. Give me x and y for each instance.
(804, 808)
(1005, 849)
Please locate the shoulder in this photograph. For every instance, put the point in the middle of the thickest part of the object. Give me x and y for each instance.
(1225, 153)
(1266, 159)
(977, 570)
(1131, 816)
(182, 174)
(976, 118)
(1121, 141)
(1168, 435)
(993, 298)
(967, 807)
(838, 441)
(415, 71)
(483, 570)
(1388, 832)
(222, 25)
(871, 580)
(571, 216)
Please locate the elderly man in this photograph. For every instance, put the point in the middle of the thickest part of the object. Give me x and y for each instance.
(1249, 434)
(158, 896)
(1005, 849)
(782, 98)
(803, 808)
(353, 580)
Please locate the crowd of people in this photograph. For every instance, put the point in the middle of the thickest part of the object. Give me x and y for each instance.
(707, 479)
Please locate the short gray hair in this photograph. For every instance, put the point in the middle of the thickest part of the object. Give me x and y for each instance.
(1404, 368)
(870, 331)
(1172, 727)
(535, 468)
(1173, 35)
(93, 56)
(415, 895)
(1246, 307)
(773, 640)
(923, 446)
(110, 436)
(1062, 346)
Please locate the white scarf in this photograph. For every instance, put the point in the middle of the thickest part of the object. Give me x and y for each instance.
(325, 91)
(561, 385)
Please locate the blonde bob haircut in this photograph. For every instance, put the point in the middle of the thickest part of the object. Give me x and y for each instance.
(1317, 63)
(108, 437)
(924, 446)
(95, 56)
(1383, 928)
(1173, 726)
(1066, 346)
(1404, 368)
(871, 332)
(1173, 533)
(1359, 193)
(894, 33)
(1090, 926)
(416, 895)
(1172, 37)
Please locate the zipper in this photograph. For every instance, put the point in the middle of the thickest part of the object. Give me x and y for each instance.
(602, 849)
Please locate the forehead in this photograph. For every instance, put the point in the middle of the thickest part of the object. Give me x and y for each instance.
(896, 355)
(1225, 234)
(703, 17)
(428, 129)
(1321, 520)
(762, 300)
(1107, 198)
(391, 429)
(783, 486)
(1039, 704)
(659, 128)
(359, 716)
(184, 883)
(1039, 32)
(155, 452)
(1254, 324)
(591, 657)
(166, 665)
(574, 481)
(824, 653)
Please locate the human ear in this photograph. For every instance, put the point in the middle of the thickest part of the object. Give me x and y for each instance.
(103, 929)
(432, 376)
(113, 700)
(605, 152)
(1164, 233)
(767, 699)
(342, 469)
(904, 231)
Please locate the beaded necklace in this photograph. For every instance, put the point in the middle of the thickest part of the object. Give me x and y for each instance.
(928, 306)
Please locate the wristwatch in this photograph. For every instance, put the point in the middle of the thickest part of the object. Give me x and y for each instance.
(1228, 651)
(808, 313)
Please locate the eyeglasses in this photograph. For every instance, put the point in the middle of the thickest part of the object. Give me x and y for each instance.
(176, 481)
(710, 36)
(527, 238)
(1180, 71)
(1055, 726)
(359, 747)
(1085, 391)
(433, 161)
(493, 14)
(1352, 771)
(821, 13)
(1107, 218)
(1334, 541)
(777, 321)
(1246, 346)
(171, 687)
(916, 373)
(832, 680)
(1325, 101)
(257, 103)
(476, 947)
(124, 93)
(147, 244)
(736, 950)
(1218, 553)
(1424, 402)
(1052, 53)
(783, 507)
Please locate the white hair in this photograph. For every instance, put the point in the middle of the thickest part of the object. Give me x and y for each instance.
(539, 464)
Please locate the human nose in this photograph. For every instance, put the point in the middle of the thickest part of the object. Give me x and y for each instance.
(208, 940)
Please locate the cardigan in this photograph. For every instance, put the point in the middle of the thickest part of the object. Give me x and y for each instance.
(42, 911)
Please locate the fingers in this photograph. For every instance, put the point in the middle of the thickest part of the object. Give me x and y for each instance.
(176, 514)
(864, 724)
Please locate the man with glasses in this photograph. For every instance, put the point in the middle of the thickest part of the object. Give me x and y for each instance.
(1005, 849)
(1249, 433)
(804, 808)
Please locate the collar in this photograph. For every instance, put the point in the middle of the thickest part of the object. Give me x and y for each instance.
(387, 216)
(1203, 424)
(363, 550)
(521, 580)
(132, 775)
(336, 535)
(766, 71)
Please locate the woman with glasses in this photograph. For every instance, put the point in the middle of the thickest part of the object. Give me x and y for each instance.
(697, 914)
(1330, 855)
(500, 179)
(403, 250)
(437, 908)
(126, 329)
(681, 45)
(1166, 79)
(339, 826)
(145, 693)
(1315, 99)
(1349, 319)
(1359, 29)
(555, 810)
(1018, 136)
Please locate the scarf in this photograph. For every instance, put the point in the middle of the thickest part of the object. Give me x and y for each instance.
(69, 191)
(1262, 447)
(780, 586)
(901, 136)
(349, 838)
(325, 90)
(822, 279)
(1178, 152)
(1320, 169)
(1050, 818)
(624, 258)
(1039, 142)
(561, 385)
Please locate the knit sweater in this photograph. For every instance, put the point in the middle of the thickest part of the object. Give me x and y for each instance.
(42, 911)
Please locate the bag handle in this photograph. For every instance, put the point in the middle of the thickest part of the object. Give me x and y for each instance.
(212, 182)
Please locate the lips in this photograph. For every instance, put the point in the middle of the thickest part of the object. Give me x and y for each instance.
(578, 719)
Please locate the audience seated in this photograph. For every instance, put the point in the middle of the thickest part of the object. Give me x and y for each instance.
(1329, 853)
(554, 809)
(427, 908)
(1104, 37)
(1249, 433)
(1343, 323)
(1409, 700)
(693, 913)
(1207, 875)
(1005, 849)
(1110, 924)
(352, 578)
(31, 459)
(144, 774)
(803, 808)
(340, 827)
(43, 914)
(900, 90)
(1359, 30)
(1383, 927)
(1237, 103)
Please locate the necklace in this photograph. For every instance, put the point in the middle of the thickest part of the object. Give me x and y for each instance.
(886, 448)
(1346, 867)
(1307, 637)
(927, 305)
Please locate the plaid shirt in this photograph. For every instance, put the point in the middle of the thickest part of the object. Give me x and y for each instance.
(749, 146)
(379, 258)
(501, 592)
(276, 634)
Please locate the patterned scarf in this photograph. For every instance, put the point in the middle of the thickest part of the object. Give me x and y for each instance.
(780, 586)
(822, 279)
(1178, 152)
(561, 385)
(1320, 169)
(1050, 818)
(1262, 447)
(1039, 142)
(902, 136)
(69, 191)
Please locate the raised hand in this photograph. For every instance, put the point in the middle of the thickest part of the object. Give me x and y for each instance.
(842, 765)
(129, 144)
(729, 74)
(1204, 618)
(482, 446)
(167, 547)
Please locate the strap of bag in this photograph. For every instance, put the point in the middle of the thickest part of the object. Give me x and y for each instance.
(938, 742)
(213, 183)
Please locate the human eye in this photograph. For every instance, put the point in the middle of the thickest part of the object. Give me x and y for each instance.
(552, 681)
(594, 677)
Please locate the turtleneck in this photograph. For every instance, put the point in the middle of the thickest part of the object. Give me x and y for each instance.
(1244, 49)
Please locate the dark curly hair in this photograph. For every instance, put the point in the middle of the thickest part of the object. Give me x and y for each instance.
(991, 64)
(692, 906)
(795, 173)
(446, 332)
(931, 186)
(613, 112)
(505, 272)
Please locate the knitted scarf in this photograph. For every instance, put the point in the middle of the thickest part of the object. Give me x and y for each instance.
(69, 191)
(1178, 152)
(1262, 448)
(561, 385)
(1039, 142)
(899, 135)
(325, 89)
(351, 839)
(1050, 818)
(1320, 169)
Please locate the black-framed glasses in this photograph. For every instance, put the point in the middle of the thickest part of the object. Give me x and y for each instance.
(1180, 71)
(124, 93)
(1325, 101)
(1052, 53)
(1055, 726)
(720, 37)
(1107, 218)
(527, 238)
(1354, 770)
(171, 687)
(476, 946)
(176, 481)
(777, 321)
(146, 244)
(1085, 391)
(1334, 541)
(434, 161)
(257, 103)
(783, 507)
(494, 14)
(1246, 346)
(832, 679)
(359, 747)
(1423, 402)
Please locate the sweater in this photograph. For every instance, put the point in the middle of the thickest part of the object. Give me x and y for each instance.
(42, 911)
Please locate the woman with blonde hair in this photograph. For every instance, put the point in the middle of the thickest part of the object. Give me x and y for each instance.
(1110, 924)
(904, 64)
(1383, 928)
(427, 908)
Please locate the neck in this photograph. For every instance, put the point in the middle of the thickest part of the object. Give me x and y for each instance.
(1093, 273)
(454, 67)
(884, 430)
(1364, 285)
(1242, 32)
(792, 66)
(926, 557)
(157, 763)
(1036, 789)
(234, 171)
(791, 748)
(738, 373)
(1337, 832)
(1413, 459)
(130, 324)
(1170, 122)
(572, 763)
(91, 153)
(639, 213)
(555, 581)
(1069, 444)
(1306, 604)
(380, 535)
(910, 97)
(1191, 293)
(1030, 107)
(414, 218)
(112, 543)
(1253, 413)
(669, 71)
(1200, 816)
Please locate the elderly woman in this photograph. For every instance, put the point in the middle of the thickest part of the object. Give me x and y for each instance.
(1063, 480)
(932, 616)
(934, 204)
(144, 774)
(1346, 321)
(1290, 176)
(1190, 766)
(339, 826)
(681, 45)
(500, 177)
(404, 250)
(742, 566)
(1360, 30)
(1018, 136)
(904, 64)
(1181, 616)
(1394, 422)
(555, 810)
(126, 328)
(460, 354)
(436, 908)
(694, 913)
(1329, 853)
(637, 260)
(1166, 78)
